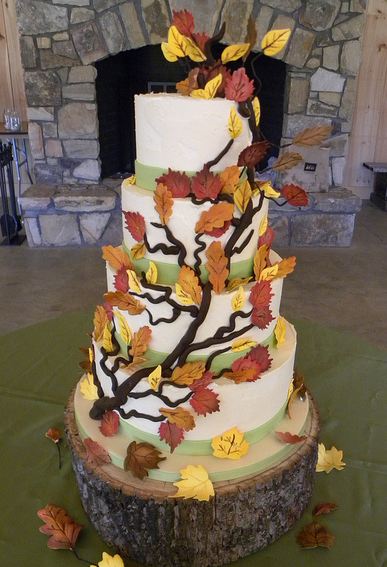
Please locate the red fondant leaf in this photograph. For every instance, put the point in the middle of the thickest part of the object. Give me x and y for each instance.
(121, 280)
(295, 195)
(324, 508)
(95, 454)
(260, 354)
(204, 401)
(206, 185)
(110, 423)
(62, 529)
(261, 317)
(109, 310)
(266, 238)
(215, 71)
(261, 294)
(243, 369)
(217, 232)
(239, 87)
(315, 535)
(54, 434)
(203, 382)
(171, 434)
(289, 438)
(177, 183)
(201, 39)
(184, 21)
(135, 223)
(253, 154)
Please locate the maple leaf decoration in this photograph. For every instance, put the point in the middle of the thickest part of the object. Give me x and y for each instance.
(329, 459)
(194, 484)
(324, 508)
(290, 438)
(206, 185)
(315, 535)
(201, 39)
(262, 316)
(171, 434)
(142, 457)
(110, 561)
(96, 455)
(239, 87)
(204, 401)
(109, 424)
(266, 238)
(261, 294)
(63, 532)
(295, 195)
(135, 223)
(253, 154)
(230, 445)
(176, 182)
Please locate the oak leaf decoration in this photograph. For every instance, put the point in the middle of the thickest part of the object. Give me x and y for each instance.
(290, 438)
(287, 160)
(142, 457)
(99, 321)
(274, 41)
(183, 297)
(324, 508)
(295, 195)
(62, 530)
(110, 423)
(189, 283)
(195, 484)
(315, 535)
(180, 417)
(178, 183)
(171, 434)
(217, 266)
(313, 136)
(230, 445)
(135, 223)
(140, 343)
(204, 401)
(188, 373)
(253, 154)
(116, 257)
(215, 217)
(239, 87)
(163, 202)
(96, 455)
(205, 184)
(242, 195)
(229, 178)
(329, 459)
(125, 302)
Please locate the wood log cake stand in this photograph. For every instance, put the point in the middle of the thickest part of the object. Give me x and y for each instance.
(143, 522)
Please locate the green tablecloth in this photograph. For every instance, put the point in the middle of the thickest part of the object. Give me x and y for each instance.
(347, 376)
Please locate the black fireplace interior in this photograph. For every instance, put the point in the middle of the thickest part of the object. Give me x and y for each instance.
(144, 70)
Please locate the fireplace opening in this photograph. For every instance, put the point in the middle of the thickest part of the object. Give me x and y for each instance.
(121, 76)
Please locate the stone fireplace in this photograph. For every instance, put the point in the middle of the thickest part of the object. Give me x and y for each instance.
(62, 40)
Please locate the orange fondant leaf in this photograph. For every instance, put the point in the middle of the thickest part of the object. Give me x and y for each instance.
(100, 321)
(188, 373)
(142, 457)
(217, 266)
(125, 302)
(229, 178)
(189, 283)
(289, 438)
(140, 343)
(180, 417)
(216, 217)
(324, 508)
(286, 267)
(59, 526)
(116, 258)
(163, 202)
(261, 260)
(315, 535)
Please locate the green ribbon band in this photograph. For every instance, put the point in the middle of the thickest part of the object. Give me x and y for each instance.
(146, 175)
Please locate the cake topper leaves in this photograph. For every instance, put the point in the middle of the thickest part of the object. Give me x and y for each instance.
(63, 532)
(110, 561)
(142, 457)
(230, 445)
(121, 282)
(151, 273)
(171, 434)
(133, 281)
(254, 154)
(99, 321)
(329, 459)
(116, 257)
(229, 178)
(188, 373)
(177, 183)
(217, 266)
(154, 377)
(184, 21)
(125, 302)
(286, 267)
(234, 124)
(242, 344)
(124, 329)
(280, 331)
(135, 223)
(204, 401)
(168, 52)
(257, 110)
(215, 217)
(324, 508)
(107, 342)
(179, 45)
(242, 195)
(266, 238)
(261, 294)
(234, 52)
(138, 251)
(269, 273)
(189, 284)
(260, 354)
(87, 387)
(239, 299)
(295, 195)
(96, 455)
(261, 259)
(163, 202)
(239, 87)
(140, 344)
(206, 185)
(261, 317)
(313, 136)
(315, 535)
(180, 417)
(201, 38)
(194, 484)
(274, 41)
(110, 423)
(290, 438)
(210, 88)
(287, 160)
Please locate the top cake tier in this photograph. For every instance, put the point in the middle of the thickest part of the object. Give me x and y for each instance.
(183, 133)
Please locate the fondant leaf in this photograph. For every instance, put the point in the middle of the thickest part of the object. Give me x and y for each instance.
(261, 317)
(202, 382)
(234, 52)
(125, 302)
(296, 390)
(295, 195)
(233, 284)
(63, 532)
(177, 183)
(180, 417)
(121, 282)
(189, 283)
(315, 535)
(263, 226)
(110, 561)
(210, 89)
(234, 124)
(242, 344)
(200, 39)
(286, 267)
(239, 87)
(110, 424)
(195, 53)
(204, 401)
(217, 266)
(140, 343)
(287, 160)
(242, 195)
(215, 217)
(183, 297)
(313, 136)
(230, 445)
(87, 387)
(171, 434)
(239, 299)
(163, 202)
(269, 273)
(268, 190)
(100, 320)
(188, 373)
(229, 178)
(243, 369)
(274, 41)
(329, 459)
(116, 257)
(290, 438)
(260, 260)
(267, 237)
(95, 454)
(138, 251)
(54, 434)
(261, 356)
(128, 181)
(194, 484)
(151, 274)
(257, 110)
(184, 21)
(133, 281)
(135, 223)
(142, 457)
(206, 185)
(154, 378)
(168, 52)
(107, 342)
(280, 331)
(324, 508)
(123, 328)
(253, 154)
(177, 43)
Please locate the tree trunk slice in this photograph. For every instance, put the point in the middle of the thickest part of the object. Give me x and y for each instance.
(143, 522)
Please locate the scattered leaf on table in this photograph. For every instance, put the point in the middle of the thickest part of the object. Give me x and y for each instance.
(295, 195)
(124, 329)
(180, 417)
(54, 434)
(287, 160)
(178, 183)
(61, 528)
(140, 343)
(163, 202)
(274, 41)
(171, 434)
(154, 377)
(204, 401)
(116, 257)
(110, 423)
(135, 223)
(280, 331)
(217, 266)
(234, 124)
(329, 459)
(188, 373)
(87, 387)
(151, 273)
(138, 251)
(242, 195)
(324, 508)
(110, 561)
(99, 321)
(194, 484)
(239, 87)
(253, 154)
(125, 302)
(290, 438)
(189, 283)
(242, 344)
(234, 52)
(215, 217)
(230, 445)
(313, 136)
(205, 184)
(142, 457)
(238, 300)
(315, 535)
(95, 454)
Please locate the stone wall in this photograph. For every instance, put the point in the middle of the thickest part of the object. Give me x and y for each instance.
(61, 39)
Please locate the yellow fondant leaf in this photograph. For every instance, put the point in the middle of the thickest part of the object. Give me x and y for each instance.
(107, 342)
(193, 51)
(176, 42)
(210, 89)
(184, 297)
(263, 226)
(238, 300)
(155, 377)
(234, 124)
(133, 281)
(230, 445)
(274, 41)
(242, 195)
(151, 274)
(87, 387)
(128, 182)
(329, 459)
(242, 344)
(123, 327)
(194, 484)
(234, 52)
(181, 46)
(110, 561)
(269, 273)
(138, 251)
(233, 284)
(280, 331)
(257, 110)
(269, 191)
(168, 53)
(260, 260)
